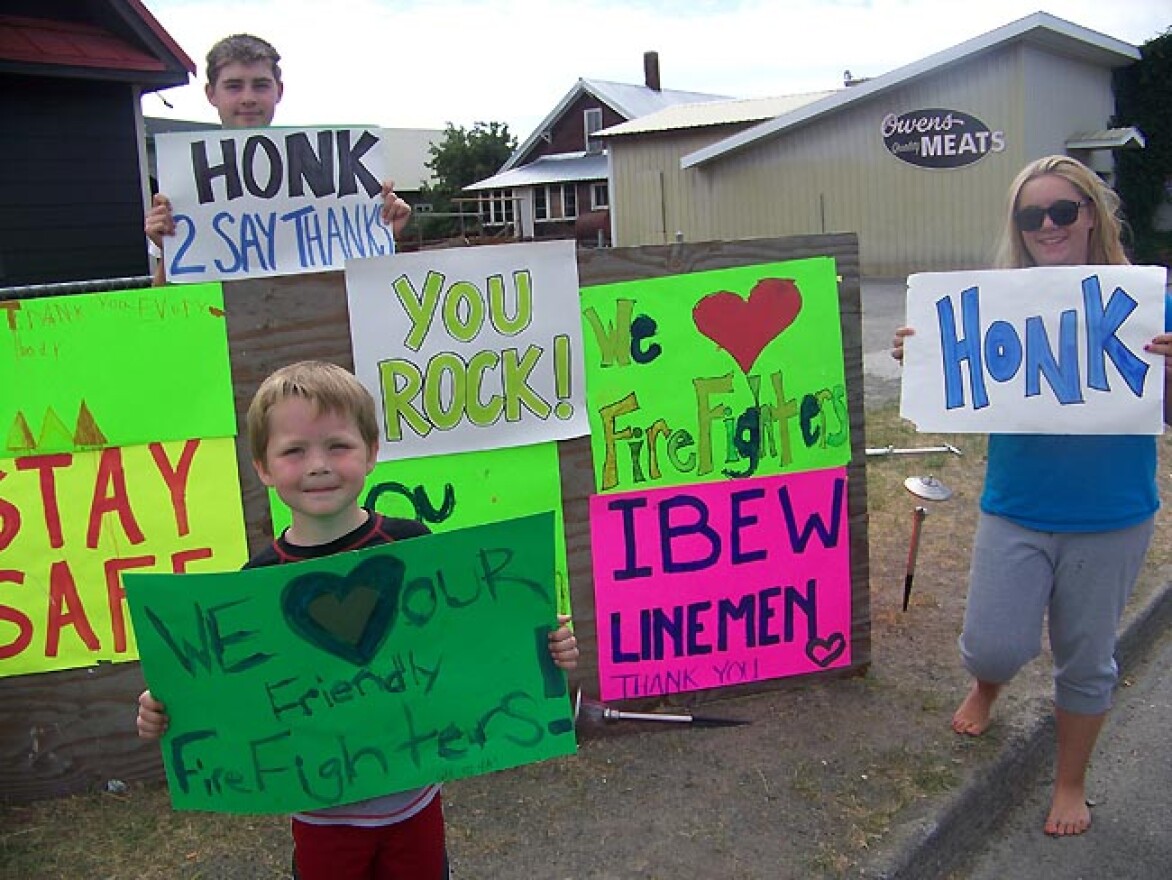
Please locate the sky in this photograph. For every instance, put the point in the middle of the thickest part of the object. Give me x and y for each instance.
(428, 63)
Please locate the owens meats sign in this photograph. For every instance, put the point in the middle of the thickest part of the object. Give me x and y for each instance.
(937, 138)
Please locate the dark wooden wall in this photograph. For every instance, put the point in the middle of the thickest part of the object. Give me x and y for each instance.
(71, 731)
(568, 134)
(70, 192)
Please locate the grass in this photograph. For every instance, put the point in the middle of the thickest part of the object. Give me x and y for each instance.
(136, 834)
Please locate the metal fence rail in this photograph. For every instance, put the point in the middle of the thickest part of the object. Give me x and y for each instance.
(97, 285)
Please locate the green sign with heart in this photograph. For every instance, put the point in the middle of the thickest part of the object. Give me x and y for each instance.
(716, 375)
(301, 686)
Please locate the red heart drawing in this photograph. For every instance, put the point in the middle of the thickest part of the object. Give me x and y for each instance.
(743, 327)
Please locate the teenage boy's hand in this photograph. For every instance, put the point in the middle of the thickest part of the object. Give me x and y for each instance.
(563, 644)
(159, 221)
(395, 211)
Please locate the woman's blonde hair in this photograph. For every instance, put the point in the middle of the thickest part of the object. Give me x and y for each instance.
(327, 386)
(1105, 246)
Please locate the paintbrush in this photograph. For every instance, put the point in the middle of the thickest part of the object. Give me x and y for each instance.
(592, 710)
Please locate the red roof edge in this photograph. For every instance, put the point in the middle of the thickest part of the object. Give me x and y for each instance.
(160, 32)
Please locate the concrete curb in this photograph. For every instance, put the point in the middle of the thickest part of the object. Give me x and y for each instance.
(933, 847)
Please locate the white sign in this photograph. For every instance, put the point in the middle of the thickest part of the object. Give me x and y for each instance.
(470, 348)
(272, 201)
(1054, 350)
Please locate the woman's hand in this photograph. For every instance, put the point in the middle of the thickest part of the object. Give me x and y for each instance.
(897, 342)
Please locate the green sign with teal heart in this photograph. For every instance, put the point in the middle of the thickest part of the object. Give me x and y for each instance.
(307, 685)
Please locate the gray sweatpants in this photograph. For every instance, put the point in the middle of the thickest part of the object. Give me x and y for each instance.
(1082, 579)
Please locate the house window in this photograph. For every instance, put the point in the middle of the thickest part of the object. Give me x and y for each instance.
(592, 122)
(496, 207)
(557, 201)
(599, 196)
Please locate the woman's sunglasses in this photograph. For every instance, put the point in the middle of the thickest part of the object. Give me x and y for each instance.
(1063, 212)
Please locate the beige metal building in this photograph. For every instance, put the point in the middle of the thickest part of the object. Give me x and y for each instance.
(916, 161)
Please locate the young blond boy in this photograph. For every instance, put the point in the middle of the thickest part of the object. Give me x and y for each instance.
(313, 435)
(244, 85)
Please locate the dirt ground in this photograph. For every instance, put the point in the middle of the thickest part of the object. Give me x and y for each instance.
(824, 783)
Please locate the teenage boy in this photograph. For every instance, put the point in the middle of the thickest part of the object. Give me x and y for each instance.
(244, 85)
(313, 435)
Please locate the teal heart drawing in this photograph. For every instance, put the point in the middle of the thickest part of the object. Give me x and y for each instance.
(347, 616)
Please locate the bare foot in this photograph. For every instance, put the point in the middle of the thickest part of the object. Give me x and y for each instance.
(1069, 813)
(972, 717)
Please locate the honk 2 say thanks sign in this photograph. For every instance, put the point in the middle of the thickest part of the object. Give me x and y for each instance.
(272, 201)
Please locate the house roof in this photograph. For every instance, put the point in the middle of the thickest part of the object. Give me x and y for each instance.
(629, 101)
(634, 101)
(555, 168)
(1108, 139)
(710, 113)
(114, 39)
(1040, 29)
(70, 43)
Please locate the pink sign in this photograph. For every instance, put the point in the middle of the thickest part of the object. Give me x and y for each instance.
(717, 584)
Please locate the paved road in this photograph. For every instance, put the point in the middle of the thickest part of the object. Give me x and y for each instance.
(1131, 785)
(883, 311)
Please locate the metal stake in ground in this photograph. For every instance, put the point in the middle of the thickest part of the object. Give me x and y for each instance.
(913, 551)
(930, 489)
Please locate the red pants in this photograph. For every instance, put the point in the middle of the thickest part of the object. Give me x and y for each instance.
(410, 850)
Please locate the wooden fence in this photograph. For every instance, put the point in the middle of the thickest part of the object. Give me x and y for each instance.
(73, 731)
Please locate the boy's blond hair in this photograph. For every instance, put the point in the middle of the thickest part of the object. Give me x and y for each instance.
(327, 386)
(241, 49)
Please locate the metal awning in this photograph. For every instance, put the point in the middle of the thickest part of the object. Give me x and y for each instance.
(1130, 138)
(556, 168)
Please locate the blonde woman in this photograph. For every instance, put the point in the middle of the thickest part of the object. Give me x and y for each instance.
(1065, 521)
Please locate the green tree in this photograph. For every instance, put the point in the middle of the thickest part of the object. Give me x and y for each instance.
(1143, 98)
(463, 156)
